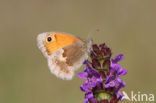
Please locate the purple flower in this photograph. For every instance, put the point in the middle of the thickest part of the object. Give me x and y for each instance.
(113, 80)
(118, 58)
(92, 77)
(89, 72)
(117, 83)
(102, 83)
(89, 97)
(119, 95)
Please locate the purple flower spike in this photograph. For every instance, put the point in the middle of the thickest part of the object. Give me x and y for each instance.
(102, 83)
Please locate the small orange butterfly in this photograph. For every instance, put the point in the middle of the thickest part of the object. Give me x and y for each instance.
(65, 52)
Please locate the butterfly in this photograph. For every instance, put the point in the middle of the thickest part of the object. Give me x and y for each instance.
(65, 53)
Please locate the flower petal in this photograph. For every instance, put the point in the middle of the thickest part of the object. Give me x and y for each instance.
(118, 58)
(119, 95)
(82, 75)
(84, 88)
(85, 100)
(89, 95)
(124, 72)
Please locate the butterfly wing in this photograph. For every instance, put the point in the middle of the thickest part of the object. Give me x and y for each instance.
(65, 52)
(66, 60)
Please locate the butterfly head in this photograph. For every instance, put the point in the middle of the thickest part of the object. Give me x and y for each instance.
(49, 42)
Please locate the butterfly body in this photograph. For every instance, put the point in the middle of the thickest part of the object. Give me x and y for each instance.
(65, 53)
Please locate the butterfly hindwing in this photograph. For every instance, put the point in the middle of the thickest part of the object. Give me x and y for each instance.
(66, 60)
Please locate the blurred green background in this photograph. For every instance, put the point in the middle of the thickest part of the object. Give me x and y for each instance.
(126, 26)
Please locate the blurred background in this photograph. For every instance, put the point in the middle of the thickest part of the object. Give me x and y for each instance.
(126, 26)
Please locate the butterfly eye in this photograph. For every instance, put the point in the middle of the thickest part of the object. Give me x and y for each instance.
(49, 39)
